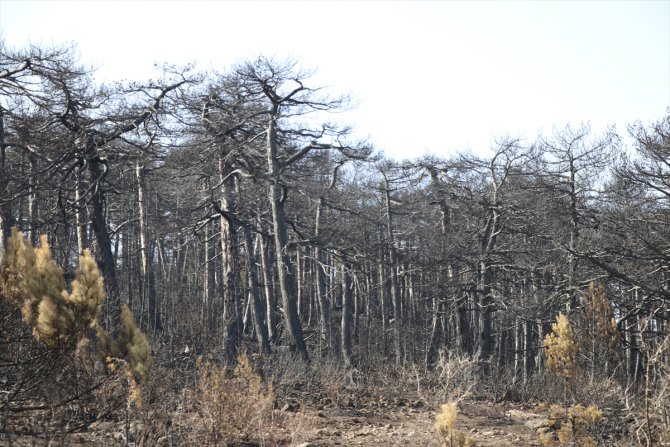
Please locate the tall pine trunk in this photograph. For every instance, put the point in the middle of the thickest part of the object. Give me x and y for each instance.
(285, 270)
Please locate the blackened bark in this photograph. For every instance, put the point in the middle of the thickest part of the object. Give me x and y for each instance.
(347, 309)
(254, 294)
(285, 271)
(97, 170)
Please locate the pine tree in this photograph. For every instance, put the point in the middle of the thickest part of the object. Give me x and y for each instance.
(131, 345)
(602, 332)
(573, 425)
(445, 426)
(561, 349)
(32, 280)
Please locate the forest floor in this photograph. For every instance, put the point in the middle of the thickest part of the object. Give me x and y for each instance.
(357, 420)
(366, 420)
(307, 417)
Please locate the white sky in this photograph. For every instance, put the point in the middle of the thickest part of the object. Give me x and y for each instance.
(428, 76)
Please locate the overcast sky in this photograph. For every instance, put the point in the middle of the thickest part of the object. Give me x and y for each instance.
(437, 77)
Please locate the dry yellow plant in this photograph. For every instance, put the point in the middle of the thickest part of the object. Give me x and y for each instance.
(561, 349)
(234, 406)
(572, 426)
(445, 426)
(32, 280)
(599, 309)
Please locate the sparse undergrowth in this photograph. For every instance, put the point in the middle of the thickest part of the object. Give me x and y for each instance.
(231, 407)
(579, 359)
(573, 426)
(279, 400)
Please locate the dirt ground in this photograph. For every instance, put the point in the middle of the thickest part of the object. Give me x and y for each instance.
(368, 421)
(488, 425)
(362, 421)
(345, 418)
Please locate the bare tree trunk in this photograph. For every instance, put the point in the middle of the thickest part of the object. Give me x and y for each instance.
(435, 327)
(312, 306)
(382, 299)
(129, 272)
(528, 358)
(462, 304)
(268, 286)
(231, 313)
(139, 184)
(324, 302)
(299, 272)
(436, 332)
(147, 287)
(254, 294)
(209, 279)
(357, 308)
(371, 295)
(485, 315)
(79, 214)
(6, 219)
(487, 245)
(518, 348)
(99, 225)
(32, 200)
(571, 300)
(284, 268)
(392, 256)
(347, 355)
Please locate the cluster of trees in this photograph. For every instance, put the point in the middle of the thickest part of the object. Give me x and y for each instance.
(225, 209)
